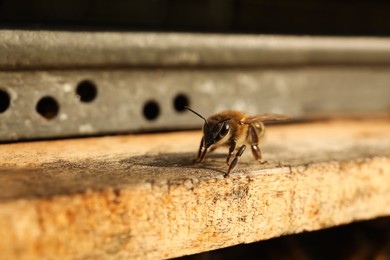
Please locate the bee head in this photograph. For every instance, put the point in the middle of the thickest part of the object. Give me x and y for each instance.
(213, 130)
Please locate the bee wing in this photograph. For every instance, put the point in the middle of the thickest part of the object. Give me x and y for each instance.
(264, 117)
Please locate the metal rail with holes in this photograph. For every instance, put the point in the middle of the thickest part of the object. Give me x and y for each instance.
(102, 83)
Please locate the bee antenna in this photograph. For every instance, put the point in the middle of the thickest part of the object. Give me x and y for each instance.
(196, 113)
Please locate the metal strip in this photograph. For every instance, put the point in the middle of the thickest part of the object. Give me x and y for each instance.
(59, 49)
(132, 100)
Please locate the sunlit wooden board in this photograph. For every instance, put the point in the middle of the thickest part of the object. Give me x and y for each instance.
(141, 196)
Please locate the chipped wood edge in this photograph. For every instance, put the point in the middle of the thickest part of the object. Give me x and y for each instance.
(164, 220)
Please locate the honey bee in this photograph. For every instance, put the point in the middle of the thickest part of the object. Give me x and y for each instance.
(234, 130)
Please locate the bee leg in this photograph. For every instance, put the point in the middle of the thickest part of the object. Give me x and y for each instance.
(212, 149)
(257, 153)
(231, 150)
(202, 152)
(236, 157)
(255, 143)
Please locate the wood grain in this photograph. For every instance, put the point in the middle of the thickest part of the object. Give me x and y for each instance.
(141, 196)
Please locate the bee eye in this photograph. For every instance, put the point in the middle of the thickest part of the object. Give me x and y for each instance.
(224, 129)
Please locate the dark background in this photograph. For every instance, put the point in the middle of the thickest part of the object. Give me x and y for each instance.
(301, 17)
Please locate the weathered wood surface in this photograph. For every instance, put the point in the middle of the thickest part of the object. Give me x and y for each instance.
(140, 196)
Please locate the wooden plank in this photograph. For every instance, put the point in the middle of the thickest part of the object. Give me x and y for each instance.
(140, 196)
